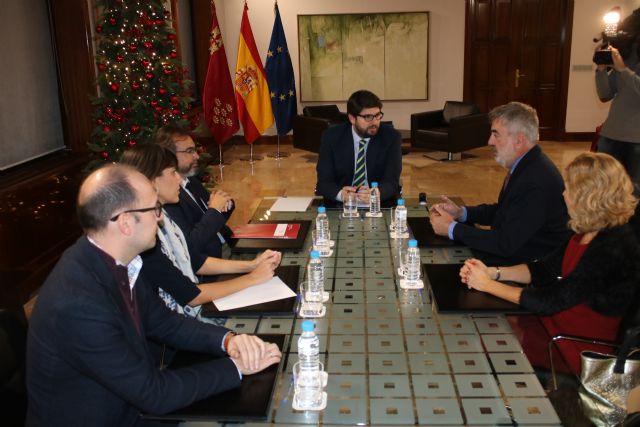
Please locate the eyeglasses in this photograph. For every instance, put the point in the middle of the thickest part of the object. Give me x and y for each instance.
(190, 150)
(371, 117)
(157, 210)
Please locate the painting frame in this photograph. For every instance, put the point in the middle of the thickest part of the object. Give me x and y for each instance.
(336, 50)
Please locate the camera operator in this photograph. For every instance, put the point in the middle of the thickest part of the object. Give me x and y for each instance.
(620, 82)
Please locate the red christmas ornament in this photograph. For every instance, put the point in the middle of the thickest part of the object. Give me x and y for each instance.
(149, 75)
(185, 117)
(114, 87)
(162, 91)
(132, 142)
(171, 36)
(135, 128)
(158, 22)
(175, 111)
(173, 54)
(98, 28)
(99, 121)
(135, 85)
(102, 67)
(119, 58)
(108, 110)
(133, 47)
(153, 103)
(174, 99)
(104, 155)
(106, 129)
(167, 71)
(147, 45)
(159, 109)
(146, 63)
(112, 21)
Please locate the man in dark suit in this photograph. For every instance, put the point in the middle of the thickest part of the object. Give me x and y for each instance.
(88, 360)
(530, 218)
(355, 154)
(201, 216)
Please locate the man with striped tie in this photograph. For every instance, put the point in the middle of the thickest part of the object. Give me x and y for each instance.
(355, 154)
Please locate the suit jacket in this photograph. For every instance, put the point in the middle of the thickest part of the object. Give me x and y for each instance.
(336, 162)
(86, 363)
(529, 220)
(200, 228)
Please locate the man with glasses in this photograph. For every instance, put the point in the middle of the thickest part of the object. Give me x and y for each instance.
(88, 359)
(201, 216)
(355, 154)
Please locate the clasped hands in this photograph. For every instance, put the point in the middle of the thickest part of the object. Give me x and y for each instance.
(251, 354)
(362, 193)
(475, 275)
(265, 264)
(220, 201)
(442, 214)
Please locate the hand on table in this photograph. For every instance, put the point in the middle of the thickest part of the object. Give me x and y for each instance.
(475, 274)
(251, 354)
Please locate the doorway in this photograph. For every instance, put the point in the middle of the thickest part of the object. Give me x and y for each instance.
(518, 50)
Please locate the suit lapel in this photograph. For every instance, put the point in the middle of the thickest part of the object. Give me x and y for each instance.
(520, 170)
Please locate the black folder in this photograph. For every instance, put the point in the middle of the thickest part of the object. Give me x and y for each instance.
(423, 232)
(249, 402)
(450, 295)
(289, 275)
(256, 245)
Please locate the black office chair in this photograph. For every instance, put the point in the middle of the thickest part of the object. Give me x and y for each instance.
(13, 344)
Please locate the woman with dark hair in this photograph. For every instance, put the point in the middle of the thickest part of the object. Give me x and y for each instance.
(179, 288)
(586, 286)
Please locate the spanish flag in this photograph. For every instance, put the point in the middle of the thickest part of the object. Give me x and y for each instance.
(252, 90)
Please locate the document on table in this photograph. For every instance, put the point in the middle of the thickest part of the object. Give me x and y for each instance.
(271, 290)
(291, 204)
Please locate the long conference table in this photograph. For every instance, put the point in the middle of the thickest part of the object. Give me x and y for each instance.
(391, 356)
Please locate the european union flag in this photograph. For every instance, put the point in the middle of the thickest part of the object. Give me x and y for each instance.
(282, 85)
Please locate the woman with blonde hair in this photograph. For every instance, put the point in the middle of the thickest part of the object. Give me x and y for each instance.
(586, 286)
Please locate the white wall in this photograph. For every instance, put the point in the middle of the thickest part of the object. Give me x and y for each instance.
(446, 47)
(446, 44)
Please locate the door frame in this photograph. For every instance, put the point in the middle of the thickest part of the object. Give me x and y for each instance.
(560, 133)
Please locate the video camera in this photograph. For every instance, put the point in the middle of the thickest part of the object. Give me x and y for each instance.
(621, 41)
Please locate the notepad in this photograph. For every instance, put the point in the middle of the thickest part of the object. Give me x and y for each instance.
(291, 204)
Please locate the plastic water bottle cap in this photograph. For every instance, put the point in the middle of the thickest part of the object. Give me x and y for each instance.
(322, 209)
(315, 255)
(374, 185)
(400, 202)
(413, 243)
(308, 326)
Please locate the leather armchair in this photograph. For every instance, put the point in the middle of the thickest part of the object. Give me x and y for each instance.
(458, 127)
(308, 126)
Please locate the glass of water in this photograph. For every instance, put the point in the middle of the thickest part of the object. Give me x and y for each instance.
(350, 206)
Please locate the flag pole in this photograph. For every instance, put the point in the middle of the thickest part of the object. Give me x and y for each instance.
(251, 158)
(277, 155)
(220, 157)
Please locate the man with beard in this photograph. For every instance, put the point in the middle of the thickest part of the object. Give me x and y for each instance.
(201, 216)
(530, 218)
(88, 357)
(355, 154)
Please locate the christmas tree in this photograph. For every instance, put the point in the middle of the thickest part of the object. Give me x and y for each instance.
(141, 81)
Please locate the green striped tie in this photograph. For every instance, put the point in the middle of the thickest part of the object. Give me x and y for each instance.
(359, 175)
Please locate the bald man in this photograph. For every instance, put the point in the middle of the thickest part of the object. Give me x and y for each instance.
(88, 362)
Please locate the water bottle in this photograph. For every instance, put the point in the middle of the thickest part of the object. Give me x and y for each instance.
(322, 227)
(401, 218)
(308, 387)
(374, 199)
(412, 262)
(315, 279)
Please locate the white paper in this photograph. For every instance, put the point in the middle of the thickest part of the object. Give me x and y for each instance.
(281, 229)
(271, 290)
(291, 204)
